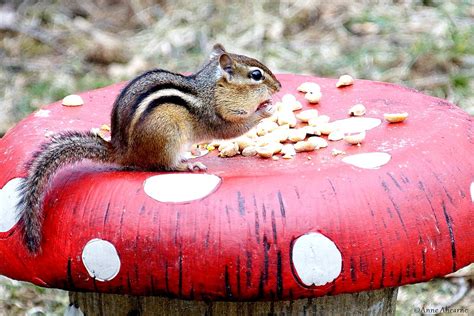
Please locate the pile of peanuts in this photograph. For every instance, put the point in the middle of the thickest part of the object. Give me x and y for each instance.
(287, 133)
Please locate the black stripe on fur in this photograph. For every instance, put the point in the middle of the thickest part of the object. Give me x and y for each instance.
(63, 149)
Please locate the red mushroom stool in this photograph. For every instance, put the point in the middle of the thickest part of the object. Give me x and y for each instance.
(254, 235)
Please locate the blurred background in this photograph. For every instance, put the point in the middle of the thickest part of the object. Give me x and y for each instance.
(49, 49)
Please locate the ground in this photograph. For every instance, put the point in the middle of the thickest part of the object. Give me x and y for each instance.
(49, 49)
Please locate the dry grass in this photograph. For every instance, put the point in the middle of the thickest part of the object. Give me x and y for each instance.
(49, 49)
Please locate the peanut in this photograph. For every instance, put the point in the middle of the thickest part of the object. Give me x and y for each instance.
(105, 127)
(336, 152)
(319, 142)
(107, 137)
(395, 117)
(249, 151)
(280, 134)
(229, 150)
(357, 110)
(311, 130)
(355, 138)
(252, 133)
(73, 100)
(322, 119)
(296, 135)
(264, 152)
(287, 117)
(289, 106)
(344, 80)
(304, 146)
(336, 135)
(227, 144)
(269, 150)
(265, 127)
(288, 149)
(326, 128)
(282, 107)
(276, 147)
(283, 127)
(197, 151)
(308, 86)
(307, 115)
(288, 98)
(244, 142)
(273, 118)
(95, 131)
(264, 141)
(297, 106)
(313, 96)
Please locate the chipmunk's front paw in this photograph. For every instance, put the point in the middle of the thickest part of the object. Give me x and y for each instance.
(192, 166)
(196, 166)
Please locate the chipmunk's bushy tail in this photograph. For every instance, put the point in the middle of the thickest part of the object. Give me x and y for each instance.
(65, 148)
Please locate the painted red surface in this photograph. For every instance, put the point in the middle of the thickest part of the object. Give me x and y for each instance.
(406, 222)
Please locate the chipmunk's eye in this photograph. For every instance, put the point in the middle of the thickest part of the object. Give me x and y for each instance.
(256, 75)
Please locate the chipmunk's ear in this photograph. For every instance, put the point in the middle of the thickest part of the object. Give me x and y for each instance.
(227, 66)
(217, 50)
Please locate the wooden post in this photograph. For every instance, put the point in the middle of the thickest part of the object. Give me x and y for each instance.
(380, 302)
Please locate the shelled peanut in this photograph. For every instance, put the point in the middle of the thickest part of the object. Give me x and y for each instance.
(284, 133)
(291, 130)
(345, 80)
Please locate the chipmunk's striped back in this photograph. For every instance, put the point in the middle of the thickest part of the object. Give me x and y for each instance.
(143, 94)
(153, 119)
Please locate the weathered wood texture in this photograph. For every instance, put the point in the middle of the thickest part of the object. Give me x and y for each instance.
(381, 302)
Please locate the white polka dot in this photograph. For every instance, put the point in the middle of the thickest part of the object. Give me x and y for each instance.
(42, 113)
(9, 198)
(316, 259)
(101, 259)
(472, 191)
(181, 187)
(368, 160)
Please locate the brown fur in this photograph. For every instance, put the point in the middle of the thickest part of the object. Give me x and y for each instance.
(150, 144)
(64, 149)
(153, 119)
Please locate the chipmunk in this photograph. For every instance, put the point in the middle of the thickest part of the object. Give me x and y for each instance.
(154, 119)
